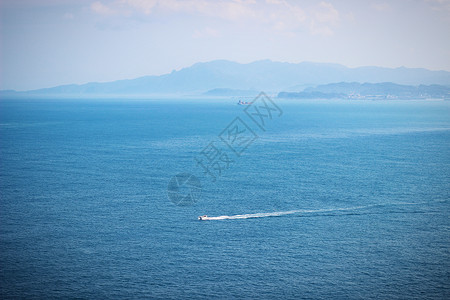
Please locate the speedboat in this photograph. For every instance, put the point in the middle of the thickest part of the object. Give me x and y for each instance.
(244, 102)
(202, 217)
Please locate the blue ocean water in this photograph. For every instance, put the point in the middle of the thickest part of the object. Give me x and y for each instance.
(352, 200)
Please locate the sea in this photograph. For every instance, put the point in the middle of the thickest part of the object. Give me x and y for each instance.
(306, 199)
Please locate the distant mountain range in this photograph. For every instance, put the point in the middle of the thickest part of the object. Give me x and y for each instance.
(222, 78)
(385, 90)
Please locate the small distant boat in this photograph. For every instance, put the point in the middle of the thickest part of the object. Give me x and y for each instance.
(244, 103)
(202, 217)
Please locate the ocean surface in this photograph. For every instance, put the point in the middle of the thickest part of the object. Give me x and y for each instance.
(326, 200)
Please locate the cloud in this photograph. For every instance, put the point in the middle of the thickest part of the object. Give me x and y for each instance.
(326, 13)
(283, 17)
(323, 18)
(229, 10)
(145, 6)
(274, 2)
(224, 9)
(290, 17)
(102, 9)
(280, 15)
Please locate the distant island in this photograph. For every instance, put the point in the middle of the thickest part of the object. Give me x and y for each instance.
(371, 91)
(224, 78)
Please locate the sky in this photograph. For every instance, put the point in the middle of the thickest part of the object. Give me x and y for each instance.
(46, 43)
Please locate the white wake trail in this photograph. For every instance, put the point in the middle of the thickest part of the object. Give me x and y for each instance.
(275, 214)
(306, 211)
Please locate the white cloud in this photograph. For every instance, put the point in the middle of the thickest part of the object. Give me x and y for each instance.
(102, 9)
(319, 19)
(225, 9)
(282, 16)
(274, 1)
(144, 6)
(322, 18)
(326, 13)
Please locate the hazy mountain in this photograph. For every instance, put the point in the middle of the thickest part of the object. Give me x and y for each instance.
(263, 75)
(384, 90)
